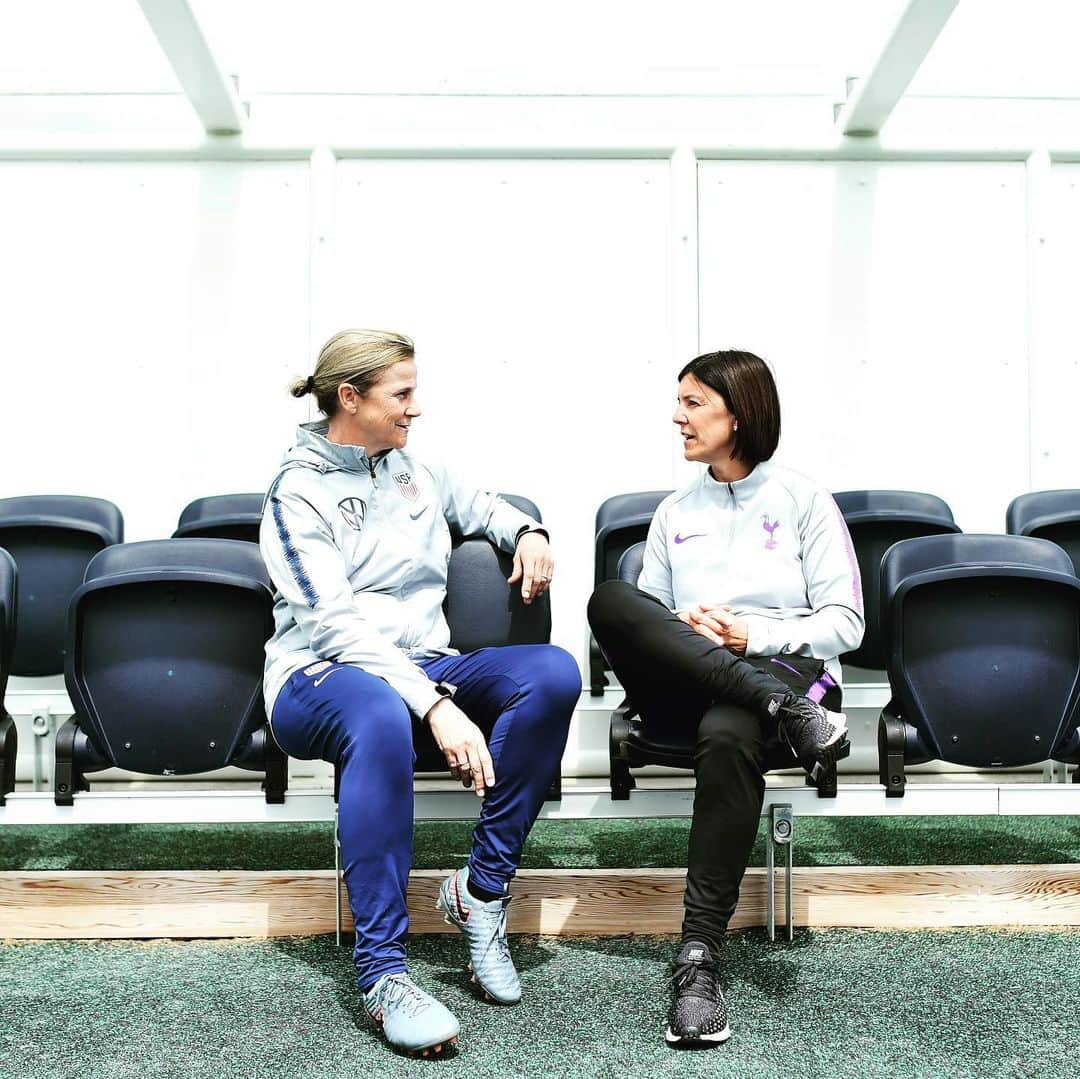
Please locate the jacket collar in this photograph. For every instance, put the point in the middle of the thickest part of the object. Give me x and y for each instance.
(742, 489)
(311, 442)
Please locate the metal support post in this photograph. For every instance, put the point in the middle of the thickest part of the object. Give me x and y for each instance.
(337, 878)
(770, 883)
(41, 723)
(781, 833)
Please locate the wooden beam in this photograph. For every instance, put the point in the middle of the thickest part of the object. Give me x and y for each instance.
(875, 95)
(208, 88)
(78, 905)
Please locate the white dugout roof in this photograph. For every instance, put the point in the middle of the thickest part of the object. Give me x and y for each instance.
(953, 70)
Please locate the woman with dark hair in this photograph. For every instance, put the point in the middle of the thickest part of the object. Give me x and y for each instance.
(748, 594)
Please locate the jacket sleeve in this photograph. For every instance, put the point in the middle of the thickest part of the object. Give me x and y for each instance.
(833, 589)
(472, 512)
(309, 571)
(656, 569)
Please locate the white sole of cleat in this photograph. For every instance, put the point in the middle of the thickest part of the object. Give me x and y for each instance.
(424, 1050)
(679, 1039)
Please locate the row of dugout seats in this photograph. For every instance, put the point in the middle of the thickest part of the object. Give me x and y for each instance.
(982, 652)
(100, 612)
(875, 519)
(162, 649)
(52, 539)
(983, 659)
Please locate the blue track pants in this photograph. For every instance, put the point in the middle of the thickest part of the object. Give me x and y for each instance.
(521, 696)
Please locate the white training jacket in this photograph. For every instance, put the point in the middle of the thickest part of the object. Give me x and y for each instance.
(358, 549)
(773, 545)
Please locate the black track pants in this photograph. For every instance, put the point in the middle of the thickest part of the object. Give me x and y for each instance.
(686, 688)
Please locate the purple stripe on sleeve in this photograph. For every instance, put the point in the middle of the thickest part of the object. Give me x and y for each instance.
(853, 562)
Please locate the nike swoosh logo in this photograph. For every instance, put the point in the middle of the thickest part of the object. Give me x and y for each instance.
(683, 539)
(416, 516)
(319, 681)
(463, 914)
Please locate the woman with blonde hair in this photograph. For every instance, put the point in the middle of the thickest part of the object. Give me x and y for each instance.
(356, 534)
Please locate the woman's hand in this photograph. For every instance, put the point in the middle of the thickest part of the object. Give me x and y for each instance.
(716, 622)
(533, 566)
(462, 744)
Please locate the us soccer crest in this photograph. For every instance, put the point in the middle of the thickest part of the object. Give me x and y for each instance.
(353, 510)
(406, 487)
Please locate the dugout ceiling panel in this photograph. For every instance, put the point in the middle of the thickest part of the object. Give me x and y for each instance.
(891, 300)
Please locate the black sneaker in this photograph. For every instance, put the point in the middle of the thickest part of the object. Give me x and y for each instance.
(698, 1013)
(816, 736)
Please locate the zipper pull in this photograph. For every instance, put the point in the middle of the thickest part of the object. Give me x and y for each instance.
(371, 469)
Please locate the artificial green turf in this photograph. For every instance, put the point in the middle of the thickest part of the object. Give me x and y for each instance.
(577, 844)
(833, 1004)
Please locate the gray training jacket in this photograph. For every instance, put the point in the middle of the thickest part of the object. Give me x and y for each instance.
(358, 549)
(772, 545)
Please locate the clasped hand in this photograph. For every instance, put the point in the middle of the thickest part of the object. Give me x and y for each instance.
(717, 623)
(463, 745)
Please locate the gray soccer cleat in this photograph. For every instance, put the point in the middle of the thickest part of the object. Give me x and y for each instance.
(815, 735)
(484, 926)
(412, 1020)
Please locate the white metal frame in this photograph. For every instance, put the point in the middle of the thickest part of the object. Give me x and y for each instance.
(211, 92)
(580, 801)
(874, 96)
(230, 150)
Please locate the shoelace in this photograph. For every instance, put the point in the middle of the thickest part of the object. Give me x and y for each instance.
(792, 724)
(401, 991)
(785, 739)
(701, 976)
(498, 932)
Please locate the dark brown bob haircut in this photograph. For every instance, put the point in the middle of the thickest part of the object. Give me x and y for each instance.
(749, 391)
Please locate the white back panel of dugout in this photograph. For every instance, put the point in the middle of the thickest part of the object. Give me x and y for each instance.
(536, 292)
(920, 318)
(890, 299)
(153, 312)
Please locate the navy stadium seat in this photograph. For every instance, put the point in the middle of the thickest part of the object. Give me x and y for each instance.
(631, 563)
(621, 521)
(481, 608)
(984, 655)
(877, 520)
(1050, 515)
(222, 517)
(51, 538)
(9, 742)
(631, 743)
(165, 663)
